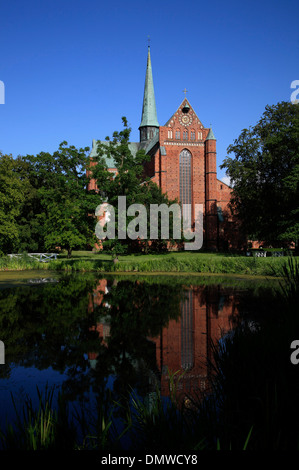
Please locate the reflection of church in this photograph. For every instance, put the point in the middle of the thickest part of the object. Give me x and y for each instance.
(183, 164)
(185, 343)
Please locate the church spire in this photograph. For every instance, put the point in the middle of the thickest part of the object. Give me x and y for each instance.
(149, 123)
(210, 135)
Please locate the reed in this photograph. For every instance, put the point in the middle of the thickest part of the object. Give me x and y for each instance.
(20, 263)
(44, 427)
(181, 262)
(202, 264)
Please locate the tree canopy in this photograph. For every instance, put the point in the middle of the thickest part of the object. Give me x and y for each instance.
(44, 201)
(14, 189)
(62, 200)
(264, 174)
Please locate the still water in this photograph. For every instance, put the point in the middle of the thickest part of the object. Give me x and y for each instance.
(86, 335)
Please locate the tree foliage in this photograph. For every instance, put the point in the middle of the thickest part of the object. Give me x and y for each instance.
(44, 201)
(63, 202)
(14, 190)
(129, 181)
(264, 173)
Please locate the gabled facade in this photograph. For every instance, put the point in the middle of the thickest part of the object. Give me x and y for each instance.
(183, 164)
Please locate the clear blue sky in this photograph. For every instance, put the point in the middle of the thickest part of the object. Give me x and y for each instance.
(72, 68)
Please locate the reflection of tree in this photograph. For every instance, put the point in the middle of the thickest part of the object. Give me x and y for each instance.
(136, 312)
(44, 326)
(51, 326)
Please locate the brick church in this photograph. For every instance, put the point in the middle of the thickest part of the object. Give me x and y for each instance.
(183, 164)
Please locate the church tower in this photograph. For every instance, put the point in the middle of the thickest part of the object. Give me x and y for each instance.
(183, 160)
(149, 126)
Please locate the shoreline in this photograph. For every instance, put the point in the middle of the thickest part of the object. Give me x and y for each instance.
(160, 265)
(25, 273)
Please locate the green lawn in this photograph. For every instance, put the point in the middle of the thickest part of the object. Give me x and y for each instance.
(181, 255)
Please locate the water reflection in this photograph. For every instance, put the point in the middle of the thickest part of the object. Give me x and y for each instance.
(89, 335)
(190, 319)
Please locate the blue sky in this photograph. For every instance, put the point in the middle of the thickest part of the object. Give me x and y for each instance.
(72, 69)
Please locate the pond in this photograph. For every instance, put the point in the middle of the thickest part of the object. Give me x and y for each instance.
(90, 335)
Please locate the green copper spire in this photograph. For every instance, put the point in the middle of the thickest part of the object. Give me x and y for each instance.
(210, 135)
(149, 122)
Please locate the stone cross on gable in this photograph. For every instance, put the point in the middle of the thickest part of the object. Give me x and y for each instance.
(185, 91)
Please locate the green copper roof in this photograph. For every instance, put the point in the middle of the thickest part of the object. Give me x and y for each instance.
(149, 112)
(210, 135)
(133, 147)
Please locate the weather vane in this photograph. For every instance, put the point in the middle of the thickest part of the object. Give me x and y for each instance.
(148, 40)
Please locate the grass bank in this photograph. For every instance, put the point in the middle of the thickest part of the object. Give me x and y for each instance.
(182, 262)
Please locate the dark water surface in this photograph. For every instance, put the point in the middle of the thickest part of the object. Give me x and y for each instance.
(87, 334)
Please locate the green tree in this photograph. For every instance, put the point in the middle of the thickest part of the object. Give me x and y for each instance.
(63, 203)
(30, 228)
(264, 174)
(14, 189)
(129, 181)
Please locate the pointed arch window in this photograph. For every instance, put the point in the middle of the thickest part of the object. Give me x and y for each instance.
(186, 184)
(178, 134)
(185, 135)
(187, 359)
